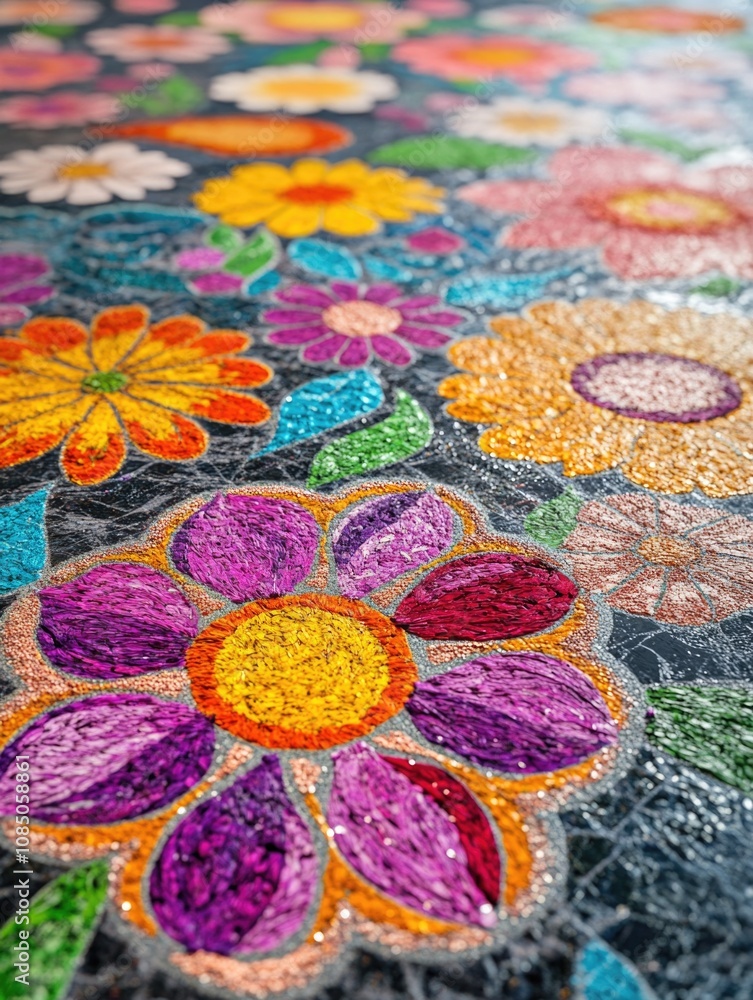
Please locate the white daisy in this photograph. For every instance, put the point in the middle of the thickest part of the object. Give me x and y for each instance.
(521, 121)
(302, 89)
(67, 173)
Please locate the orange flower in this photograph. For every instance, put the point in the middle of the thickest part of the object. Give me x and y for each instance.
(123, 379)
(668, 20)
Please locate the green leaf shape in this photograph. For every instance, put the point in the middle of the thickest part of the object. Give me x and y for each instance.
(406, 431)
(55, 30)
(256, 257)
(374, 51)
(183, 18)
(298, 54)
(225, 238)
(23, 542)
(718, 287)
(448, 152)
(665, 144)
(173, 96)
(708, 727)
(552, 521)
(62, 920)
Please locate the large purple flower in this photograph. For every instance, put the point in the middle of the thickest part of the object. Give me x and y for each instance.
(275, 681)
(346, 324)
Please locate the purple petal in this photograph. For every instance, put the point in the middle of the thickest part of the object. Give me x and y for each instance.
(437, 318)
(247, 547)
(217, 283)
(356, 353)
(399, 839)
(421, 336)
(305, 295)
(17, 268)
(382, 294)
(238, 872)
(26, 296)
(116, 620)
(198, 258)
(108, 758)
(435, 240)
(325, 350)
(520, 712)
(290, 316)
(391, 350)
(346, 291)
(383, 538)
(297, 335)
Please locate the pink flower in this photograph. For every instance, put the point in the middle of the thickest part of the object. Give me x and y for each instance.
(514, 57)
(63, 107)
(33, 70)
(44, 12)
(143, 42)
(284, 22)
(651, 217)
(345, 324)
(145, 6)
(637, 87)
(679, 563)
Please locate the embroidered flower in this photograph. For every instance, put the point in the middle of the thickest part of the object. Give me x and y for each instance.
(347, 198)
(345, 324)
(384, 688)
(67, 173)
(651, 217)
(523, 60)
(19, 274)
(640, 88)
(667, 20)
(22, 69)
(290, 22)
(43, 12)
(124, 379)
(60, 108)
(138, 42)
(145, 6)
(678, 563)
(663, 396)
(302, 89)
(520, 121)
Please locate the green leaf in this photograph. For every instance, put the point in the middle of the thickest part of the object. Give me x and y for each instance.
(256, 257)
(552, 522)
(403, 433)
(298, 54)
(173, 96)
(447, 152)
(666, 144)
(62, 919)
(708, 727)
(183, 18)
(374, 51)
(717, 287)
(225, 238)
(55, 30)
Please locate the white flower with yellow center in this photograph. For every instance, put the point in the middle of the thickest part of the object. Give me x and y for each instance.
(302, 89)
(520, 122)
(67, 173)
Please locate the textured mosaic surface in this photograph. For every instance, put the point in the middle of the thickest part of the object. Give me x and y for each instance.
(377, 535)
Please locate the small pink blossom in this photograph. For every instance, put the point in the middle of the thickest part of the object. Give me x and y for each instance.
(638, 87)
(57, 109)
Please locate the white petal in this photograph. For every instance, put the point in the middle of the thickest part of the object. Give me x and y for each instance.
(88, 192)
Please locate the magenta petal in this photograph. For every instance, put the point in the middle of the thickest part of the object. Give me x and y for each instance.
(437, 318)
(519, 712)
(383, 538)
(297, 334)
(382, 294)
(346, 291)
(356, 353)
(116, 620)
(247, 547)
(305, 295)
(326, 349)
(28, 295)
(238, 873)
(400, 840)
(422, 336)
(290, 316)
(435, 240)
(108, 758)
(391, 350)
(199, 258)
(18, 268)
(487, 595)
(217, 283)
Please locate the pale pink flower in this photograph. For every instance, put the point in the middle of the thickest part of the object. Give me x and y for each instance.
(145, 6)
(139, 42)
(637, 87)
(57, 109)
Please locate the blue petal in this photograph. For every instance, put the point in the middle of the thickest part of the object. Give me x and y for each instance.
(499, 291)
(385, 269)
(23, 544)
(602, 974)
(324, 403)
(329, 259)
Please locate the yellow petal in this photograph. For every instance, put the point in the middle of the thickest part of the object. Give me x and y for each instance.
(346, 220)
(96, 448)
(115, 332)
(296, 220)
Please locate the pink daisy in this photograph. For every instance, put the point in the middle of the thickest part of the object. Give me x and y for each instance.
(344, 324)
(63, 107)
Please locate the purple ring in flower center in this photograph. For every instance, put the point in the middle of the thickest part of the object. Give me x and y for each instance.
(662, 388)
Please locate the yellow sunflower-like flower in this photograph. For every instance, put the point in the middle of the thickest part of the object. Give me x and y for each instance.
(122, 380)
(348, 198)
(664, 396)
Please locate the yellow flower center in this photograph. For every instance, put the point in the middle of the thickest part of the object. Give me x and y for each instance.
(669, 551)
(307, 88)
(308, 670)
(494, 58)
(82, 171)
(669, 210)
(321, 17)
(529, 121)
(361, 319)
(318, 194)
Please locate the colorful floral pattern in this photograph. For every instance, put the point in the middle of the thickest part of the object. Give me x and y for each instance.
(383, 638)
(22, 69)
(124, 379)
(302, 89)
(63, 107)
(138, 42)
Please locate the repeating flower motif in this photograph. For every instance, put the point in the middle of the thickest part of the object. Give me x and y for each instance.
(345, 324)
(22, 69)
(678, 563)
(347, 198)
(66, 173)
(302, 89)
(139, 42)
(20, 275)
(600, 385)
(63, 107)
(525, 61)
(650, 217)
(412, 615)
(287, 22)
(123, 380)
(521, 122)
